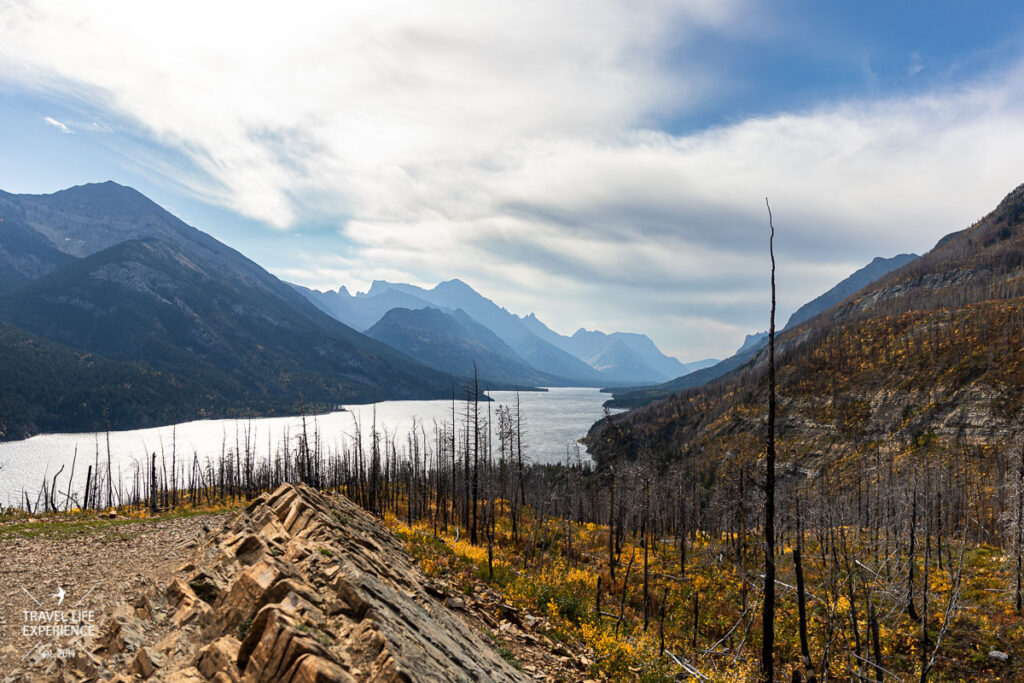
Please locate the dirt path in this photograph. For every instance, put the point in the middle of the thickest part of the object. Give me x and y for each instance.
(97, 562)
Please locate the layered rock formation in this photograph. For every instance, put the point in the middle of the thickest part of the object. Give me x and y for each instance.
(300, 586)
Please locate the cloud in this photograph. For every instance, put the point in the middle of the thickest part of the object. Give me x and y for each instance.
(361, 97)
(58, 125)
(520, 146)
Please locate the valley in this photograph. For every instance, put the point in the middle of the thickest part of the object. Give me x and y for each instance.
(551, 342)
(626, 542)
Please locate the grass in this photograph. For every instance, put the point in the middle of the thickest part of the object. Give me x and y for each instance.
(507, 655)
(243, 627)
(316, 633)
(67, 524)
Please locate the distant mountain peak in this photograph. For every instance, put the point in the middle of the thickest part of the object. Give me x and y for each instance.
(107, 184)
(454, 343)
(751, 341)
(376, 287)
(111, 184)
(106, 189)
(454, 284)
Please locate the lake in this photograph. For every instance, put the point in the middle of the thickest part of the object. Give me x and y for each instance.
(552, 420)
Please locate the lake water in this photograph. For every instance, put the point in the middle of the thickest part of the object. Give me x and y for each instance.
(553, 420)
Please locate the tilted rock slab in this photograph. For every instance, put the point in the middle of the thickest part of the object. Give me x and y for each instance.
(300, 586)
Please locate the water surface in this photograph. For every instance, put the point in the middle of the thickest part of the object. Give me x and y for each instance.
(552, 420)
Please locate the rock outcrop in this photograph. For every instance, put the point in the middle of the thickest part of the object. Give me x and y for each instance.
(299, 586)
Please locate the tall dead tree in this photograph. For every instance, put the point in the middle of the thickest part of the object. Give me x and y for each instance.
(476, 453)
(1019, 531)
(768, 610)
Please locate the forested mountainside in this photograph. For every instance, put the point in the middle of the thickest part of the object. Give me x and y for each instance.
(50, 388)
(932, 353)
(107, 275)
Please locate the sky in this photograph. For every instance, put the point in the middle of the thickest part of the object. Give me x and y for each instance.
(602, 164)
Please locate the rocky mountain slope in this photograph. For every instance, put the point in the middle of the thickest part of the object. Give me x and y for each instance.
(299, 586)
(931, 354)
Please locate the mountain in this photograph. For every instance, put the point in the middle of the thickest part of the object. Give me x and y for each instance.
(621, 356)
(609, 354)
(929, 356)
(620, 363)
(753, 343)
(133, 284)
(361, 311)
(615, 359)
(453, 295)
(861, 278)
(641, 396)
(453, 342)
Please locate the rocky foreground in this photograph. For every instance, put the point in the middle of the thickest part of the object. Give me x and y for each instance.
(299, 586)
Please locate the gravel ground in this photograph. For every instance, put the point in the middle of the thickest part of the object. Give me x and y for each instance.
(97, 562)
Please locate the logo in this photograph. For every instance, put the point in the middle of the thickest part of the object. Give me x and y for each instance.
(57, 629)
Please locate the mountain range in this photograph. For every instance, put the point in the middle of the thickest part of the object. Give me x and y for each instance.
(584, 359)
(150, 321)
(931, 353)
(104, 283)
(100, 278)
(622, 356)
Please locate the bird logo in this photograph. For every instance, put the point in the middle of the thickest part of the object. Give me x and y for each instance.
(59, 595)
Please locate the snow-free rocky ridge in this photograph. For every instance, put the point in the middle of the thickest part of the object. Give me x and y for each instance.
(298, 586)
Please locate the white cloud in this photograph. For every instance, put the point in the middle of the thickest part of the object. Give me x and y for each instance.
(515, 145)
(49, 120)
(360, 97)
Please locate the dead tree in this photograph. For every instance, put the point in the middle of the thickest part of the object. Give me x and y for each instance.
(768, 609)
